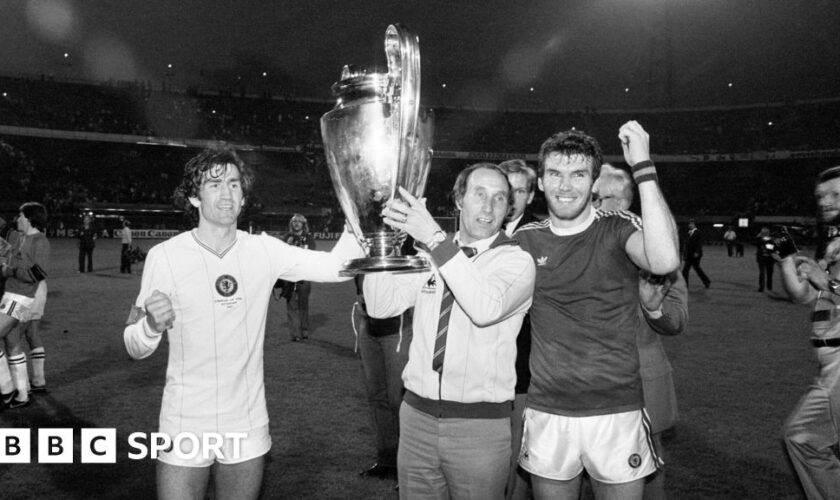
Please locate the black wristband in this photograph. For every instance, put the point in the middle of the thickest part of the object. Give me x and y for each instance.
(644, 171)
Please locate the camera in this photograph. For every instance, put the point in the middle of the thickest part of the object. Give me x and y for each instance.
(781, 242)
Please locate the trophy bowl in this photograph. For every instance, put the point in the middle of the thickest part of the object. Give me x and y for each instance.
(376, 139)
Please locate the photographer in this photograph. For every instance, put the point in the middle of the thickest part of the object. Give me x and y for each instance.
(811, 431)
(764, 250)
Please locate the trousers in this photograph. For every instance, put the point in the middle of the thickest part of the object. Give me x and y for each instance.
(297, 309)
(811, 430)
(695, 263)
(383, 366)
(452, 458)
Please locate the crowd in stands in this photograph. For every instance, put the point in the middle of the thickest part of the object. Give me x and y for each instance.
(67, 174)
(138, 110)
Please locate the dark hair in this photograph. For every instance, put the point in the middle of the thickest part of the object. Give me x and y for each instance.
(517, 166)
(201, 166)
(460, 187)
(828, 174)
(569, 144)
(36, 213)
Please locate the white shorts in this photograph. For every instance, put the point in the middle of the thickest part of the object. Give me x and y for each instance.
(613, 449)
(255, 443)
(37, 310)
(16, 306)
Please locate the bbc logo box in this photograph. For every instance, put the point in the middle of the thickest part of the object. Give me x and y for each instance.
(56, 446)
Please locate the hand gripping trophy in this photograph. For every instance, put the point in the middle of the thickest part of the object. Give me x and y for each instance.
(376, 139)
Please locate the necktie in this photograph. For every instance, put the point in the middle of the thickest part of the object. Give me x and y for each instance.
(443, 321)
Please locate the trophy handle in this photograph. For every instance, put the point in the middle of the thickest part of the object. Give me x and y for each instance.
(402, 48)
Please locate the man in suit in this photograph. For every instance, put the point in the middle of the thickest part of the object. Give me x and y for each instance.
(523, 183)
(693, 254)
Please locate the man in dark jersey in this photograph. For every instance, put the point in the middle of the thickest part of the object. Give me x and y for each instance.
(585, 402)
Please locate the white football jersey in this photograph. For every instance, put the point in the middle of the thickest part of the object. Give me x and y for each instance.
(214, 379)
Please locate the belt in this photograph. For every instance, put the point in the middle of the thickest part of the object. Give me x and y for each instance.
(833, 342)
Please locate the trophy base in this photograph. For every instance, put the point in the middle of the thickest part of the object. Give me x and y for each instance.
(400, 265)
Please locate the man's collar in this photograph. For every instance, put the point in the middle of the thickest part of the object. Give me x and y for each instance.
(480, 245)
(579, 228)
(515, 221)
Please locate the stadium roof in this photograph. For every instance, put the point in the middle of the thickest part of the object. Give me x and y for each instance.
(502, 54)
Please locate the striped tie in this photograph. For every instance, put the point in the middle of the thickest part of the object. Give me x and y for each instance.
(443, 322)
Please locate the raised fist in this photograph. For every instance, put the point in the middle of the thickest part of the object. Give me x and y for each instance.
(159, 312)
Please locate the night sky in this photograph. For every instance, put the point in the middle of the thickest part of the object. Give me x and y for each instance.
(489, 53)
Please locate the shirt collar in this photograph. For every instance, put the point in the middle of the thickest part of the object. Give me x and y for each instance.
(511, 226)
(569, 231)
(480, 245)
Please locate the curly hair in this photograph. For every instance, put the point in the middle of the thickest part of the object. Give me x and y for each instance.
(209, 163)
(301, 218)
(572, 143)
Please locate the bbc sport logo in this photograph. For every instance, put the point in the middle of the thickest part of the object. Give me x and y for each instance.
(99, 446)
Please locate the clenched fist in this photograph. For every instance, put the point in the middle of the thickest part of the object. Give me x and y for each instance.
(159, 312)
(635, 143)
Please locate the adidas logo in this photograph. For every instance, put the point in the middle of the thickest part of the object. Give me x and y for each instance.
(541, 261)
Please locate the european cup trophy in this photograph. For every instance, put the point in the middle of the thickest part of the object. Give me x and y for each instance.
(376, 139)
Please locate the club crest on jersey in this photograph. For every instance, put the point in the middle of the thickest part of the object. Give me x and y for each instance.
(635, 460)
(226, 285)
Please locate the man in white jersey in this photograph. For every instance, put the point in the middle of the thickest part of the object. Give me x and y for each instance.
(209, 289)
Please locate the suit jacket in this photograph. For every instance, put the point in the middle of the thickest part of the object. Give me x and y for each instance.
(694, 245)
(654, 367)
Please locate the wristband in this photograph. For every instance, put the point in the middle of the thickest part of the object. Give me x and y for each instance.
(644, 171)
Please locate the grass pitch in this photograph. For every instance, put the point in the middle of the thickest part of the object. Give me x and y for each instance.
(739, 369)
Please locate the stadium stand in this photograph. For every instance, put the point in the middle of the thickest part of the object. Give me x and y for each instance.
(741, 161)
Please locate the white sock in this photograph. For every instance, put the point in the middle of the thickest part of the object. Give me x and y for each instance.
(6, 384)
(38, 356)
(17, 365)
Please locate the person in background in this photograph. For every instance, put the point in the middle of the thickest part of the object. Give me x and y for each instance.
(812, 430)
(692, 254)
(730, 237)
(25, 270)
(664, 311)
(87, 242)
(383, 348)
(764, 257)
(523, 182)
(125, 256)
(5, 250)
(297, 300)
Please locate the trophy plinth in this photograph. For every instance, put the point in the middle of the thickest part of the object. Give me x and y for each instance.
(376, 140)
(384, 256)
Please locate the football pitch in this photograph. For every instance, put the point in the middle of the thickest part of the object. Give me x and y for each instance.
(740, 367)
